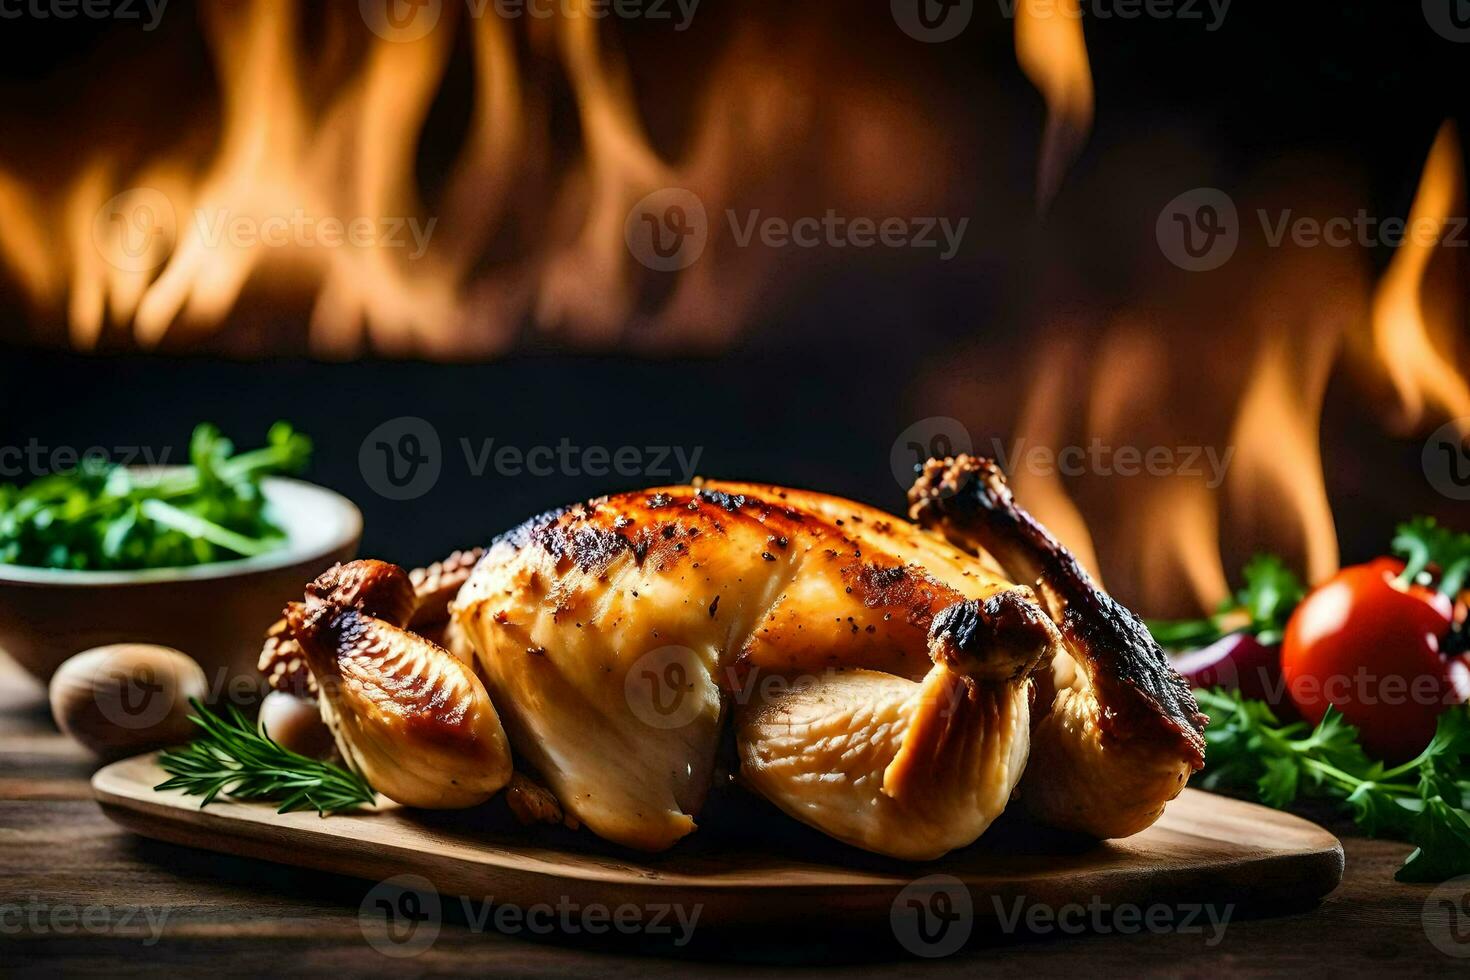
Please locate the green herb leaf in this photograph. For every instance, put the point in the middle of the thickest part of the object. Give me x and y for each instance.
(1261, 607)
(1422, 801)
(1424, 545)
(231, 758)
(1272, 591)
(1379, 813)
(1443, 836)
(1278, 785)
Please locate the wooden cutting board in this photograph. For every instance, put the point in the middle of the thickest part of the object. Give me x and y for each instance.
(751, 866)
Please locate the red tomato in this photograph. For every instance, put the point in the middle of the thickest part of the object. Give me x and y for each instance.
(1370, 646)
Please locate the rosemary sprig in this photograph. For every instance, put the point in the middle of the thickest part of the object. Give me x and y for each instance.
(234, 759)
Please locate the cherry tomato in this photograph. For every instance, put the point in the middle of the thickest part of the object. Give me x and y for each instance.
(1371, 646)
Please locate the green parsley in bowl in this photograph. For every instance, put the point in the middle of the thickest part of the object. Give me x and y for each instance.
(199, 557)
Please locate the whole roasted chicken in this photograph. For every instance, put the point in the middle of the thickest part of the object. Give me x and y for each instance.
(893, 684)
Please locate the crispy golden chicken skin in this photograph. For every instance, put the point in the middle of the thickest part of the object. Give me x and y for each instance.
(617, 636)
(409, 715)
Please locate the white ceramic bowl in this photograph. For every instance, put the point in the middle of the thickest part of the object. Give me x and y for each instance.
(216, 613)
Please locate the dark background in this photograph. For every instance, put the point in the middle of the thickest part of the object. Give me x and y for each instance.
(835, 363)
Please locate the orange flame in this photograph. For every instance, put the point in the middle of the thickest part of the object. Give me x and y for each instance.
(23, 241)
(1277, 478)
(1185, 518)
(1420, 373)
(1044, 423)
(586, 283)
(1052, 51)
(333, 138)
(1167, 527)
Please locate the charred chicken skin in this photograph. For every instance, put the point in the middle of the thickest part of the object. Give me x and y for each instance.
(1122, 732)
(879, 676)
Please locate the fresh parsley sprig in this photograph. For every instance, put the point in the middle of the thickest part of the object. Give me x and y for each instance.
(1423, 544)
(233, 759)
(1261, 607)
(1425, 801)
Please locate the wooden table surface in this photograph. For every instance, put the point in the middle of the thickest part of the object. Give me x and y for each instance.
(80, 895)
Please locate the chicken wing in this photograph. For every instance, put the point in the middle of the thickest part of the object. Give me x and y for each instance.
(408, 714)
(1123, 731)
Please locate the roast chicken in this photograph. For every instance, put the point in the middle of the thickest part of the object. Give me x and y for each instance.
(894, 684)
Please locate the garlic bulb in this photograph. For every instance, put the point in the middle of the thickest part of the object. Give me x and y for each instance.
(127, 698)
(296, 723)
